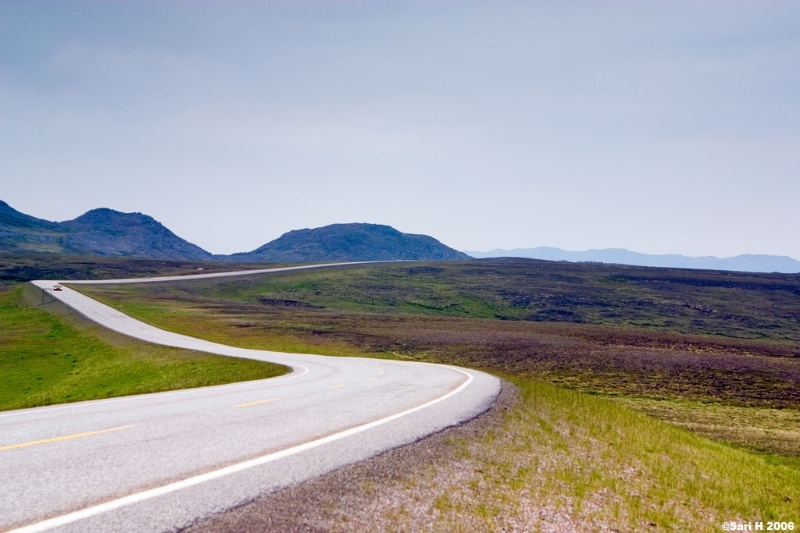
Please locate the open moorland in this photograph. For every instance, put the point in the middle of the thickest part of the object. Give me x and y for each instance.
(16, 268)
(715, 353)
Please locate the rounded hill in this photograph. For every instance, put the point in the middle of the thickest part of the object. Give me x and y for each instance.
(351, 242)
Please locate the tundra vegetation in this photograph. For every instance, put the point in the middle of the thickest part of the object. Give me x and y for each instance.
(653, 399)
(15, 268)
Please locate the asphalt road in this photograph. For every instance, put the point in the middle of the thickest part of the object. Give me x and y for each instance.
(159, 462)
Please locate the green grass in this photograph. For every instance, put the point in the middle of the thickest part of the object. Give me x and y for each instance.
(595, 463)
(604, 359)
(737, 390)
(726, 304)
(559, 458)
(597, 459)
(758, 428)
(27, 267)
(47, 359)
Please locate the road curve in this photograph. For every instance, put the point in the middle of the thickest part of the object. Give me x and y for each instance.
(160, 462)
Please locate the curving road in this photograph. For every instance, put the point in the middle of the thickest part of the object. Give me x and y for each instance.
(159, 462)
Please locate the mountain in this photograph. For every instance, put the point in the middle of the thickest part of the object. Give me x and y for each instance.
(103, 232)
(350, 242)
(21, 232)
(740, 263)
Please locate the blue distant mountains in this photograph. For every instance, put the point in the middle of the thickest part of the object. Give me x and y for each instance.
(105, 232)
(740, 263)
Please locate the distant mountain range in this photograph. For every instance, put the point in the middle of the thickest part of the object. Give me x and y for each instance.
(742, 263)
(105, 232)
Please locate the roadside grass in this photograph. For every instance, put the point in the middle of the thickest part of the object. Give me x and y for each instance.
(225, 327)
(583, 448)
(47, 359)
(584, 459)
(757, 428)
(647, 369)
(728, 304)
(561, 460)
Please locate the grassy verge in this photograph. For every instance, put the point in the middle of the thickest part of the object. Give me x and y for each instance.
(728, 304)
(561, 460)
(758, 428)
(661, 369)
(47, 359)
(583, 459)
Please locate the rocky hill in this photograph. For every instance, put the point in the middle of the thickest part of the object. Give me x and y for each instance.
(103, 232)
(350, 242)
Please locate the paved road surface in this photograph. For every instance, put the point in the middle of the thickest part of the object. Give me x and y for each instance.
(158, 462)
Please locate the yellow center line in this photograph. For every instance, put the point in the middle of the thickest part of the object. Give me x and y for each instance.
(256, 402)
(66, 437)
(338, 386)
(381, 373)
(370, 379)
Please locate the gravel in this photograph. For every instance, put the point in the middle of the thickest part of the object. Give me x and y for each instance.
(356, 497)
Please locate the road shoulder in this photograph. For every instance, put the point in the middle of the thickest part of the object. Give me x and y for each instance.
(357, 497)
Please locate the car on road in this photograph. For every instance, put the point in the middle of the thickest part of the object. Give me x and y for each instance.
(56, 287)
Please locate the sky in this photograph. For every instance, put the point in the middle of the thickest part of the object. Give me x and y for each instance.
(659, 126)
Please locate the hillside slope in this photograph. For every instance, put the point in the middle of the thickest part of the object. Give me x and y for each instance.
(109, 233)
(102, 232)
(350, 242)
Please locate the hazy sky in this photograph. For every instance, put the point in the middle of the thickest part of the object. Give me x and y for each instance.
(661, 127)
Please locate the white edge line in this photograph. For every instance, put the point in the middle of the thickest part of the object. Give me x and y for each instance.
(215, 474)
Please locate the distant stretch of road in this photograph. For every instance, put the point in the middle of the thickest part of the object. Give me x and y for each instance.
(159, 462)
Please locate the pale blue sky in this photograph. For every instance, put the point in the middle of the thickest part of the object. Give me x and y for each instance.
(661, 127)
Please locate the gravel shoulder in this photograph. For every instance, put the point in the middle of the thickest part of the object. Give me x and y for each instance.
(368, 496)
